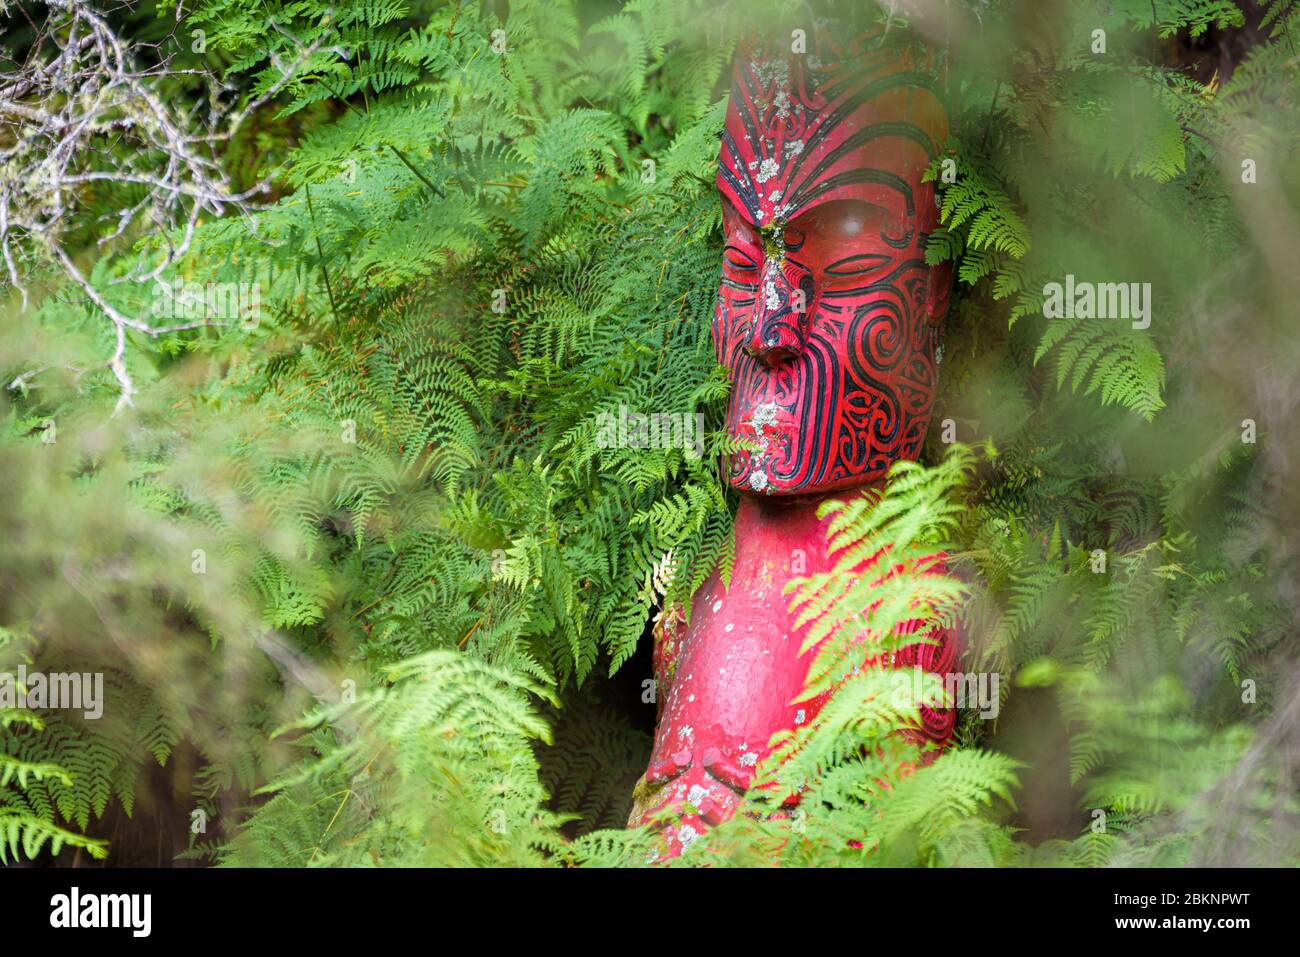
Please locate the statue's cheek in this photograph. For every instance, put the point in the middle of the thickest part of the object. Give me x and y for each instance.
(720, 329)
(731, 316)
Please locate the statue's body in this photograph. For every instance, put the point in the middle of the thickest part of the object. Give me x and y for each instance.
(829, 320)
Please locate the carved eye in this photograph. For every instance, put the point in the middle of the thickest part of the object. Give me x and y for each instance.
(737, 258)
(842, 241)
(860, 265)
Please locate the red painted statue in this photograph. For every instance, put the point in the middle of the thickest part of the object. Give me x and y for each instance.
(829, 321)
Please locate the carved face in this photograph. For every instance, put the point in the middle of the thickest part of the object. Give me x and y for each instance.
(827, 315)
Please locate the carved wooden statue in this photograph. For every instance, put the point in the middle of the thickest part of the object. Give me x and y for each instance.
(829, 321)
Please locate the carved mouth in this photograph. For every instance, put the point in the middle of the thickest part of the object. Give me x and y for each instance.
(767, 418)
(769, 427)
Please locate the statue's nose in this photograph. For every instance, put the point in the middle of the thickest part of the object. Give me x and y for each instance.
(777, 332)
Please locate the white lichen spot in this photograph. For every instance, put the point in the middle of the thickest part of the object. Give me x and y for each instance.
(782, 103)
(773, 72)
(799, 716)
(766, 170)
(772, 298)
(696, 795)
(685, 732)
(764, 415)
(730, 625)
(749, 759)
(686, 835)
(716, 606)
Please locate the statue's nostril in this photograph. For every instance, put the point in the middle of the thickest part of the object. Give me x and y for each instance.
(772, 354)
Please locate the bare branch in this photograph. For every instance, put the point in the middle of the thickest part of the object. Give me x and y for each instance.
(83, 112)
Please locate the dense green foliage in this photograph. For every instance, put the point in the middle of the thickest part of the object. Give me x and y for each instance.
(366, 556)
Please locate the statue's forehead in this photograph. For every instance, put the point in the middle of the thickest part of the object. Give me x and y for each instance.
(799, 133)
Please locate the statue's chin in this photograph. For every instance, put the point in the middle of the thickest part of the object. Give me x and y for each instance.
(757, 478)
(774, 463)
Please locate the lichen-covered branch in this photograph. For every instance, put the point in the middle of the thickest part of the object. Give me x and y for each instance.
(85, 121)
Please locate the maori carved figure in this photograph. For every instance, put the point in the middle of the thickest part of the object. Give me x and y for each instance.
(829, 321)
